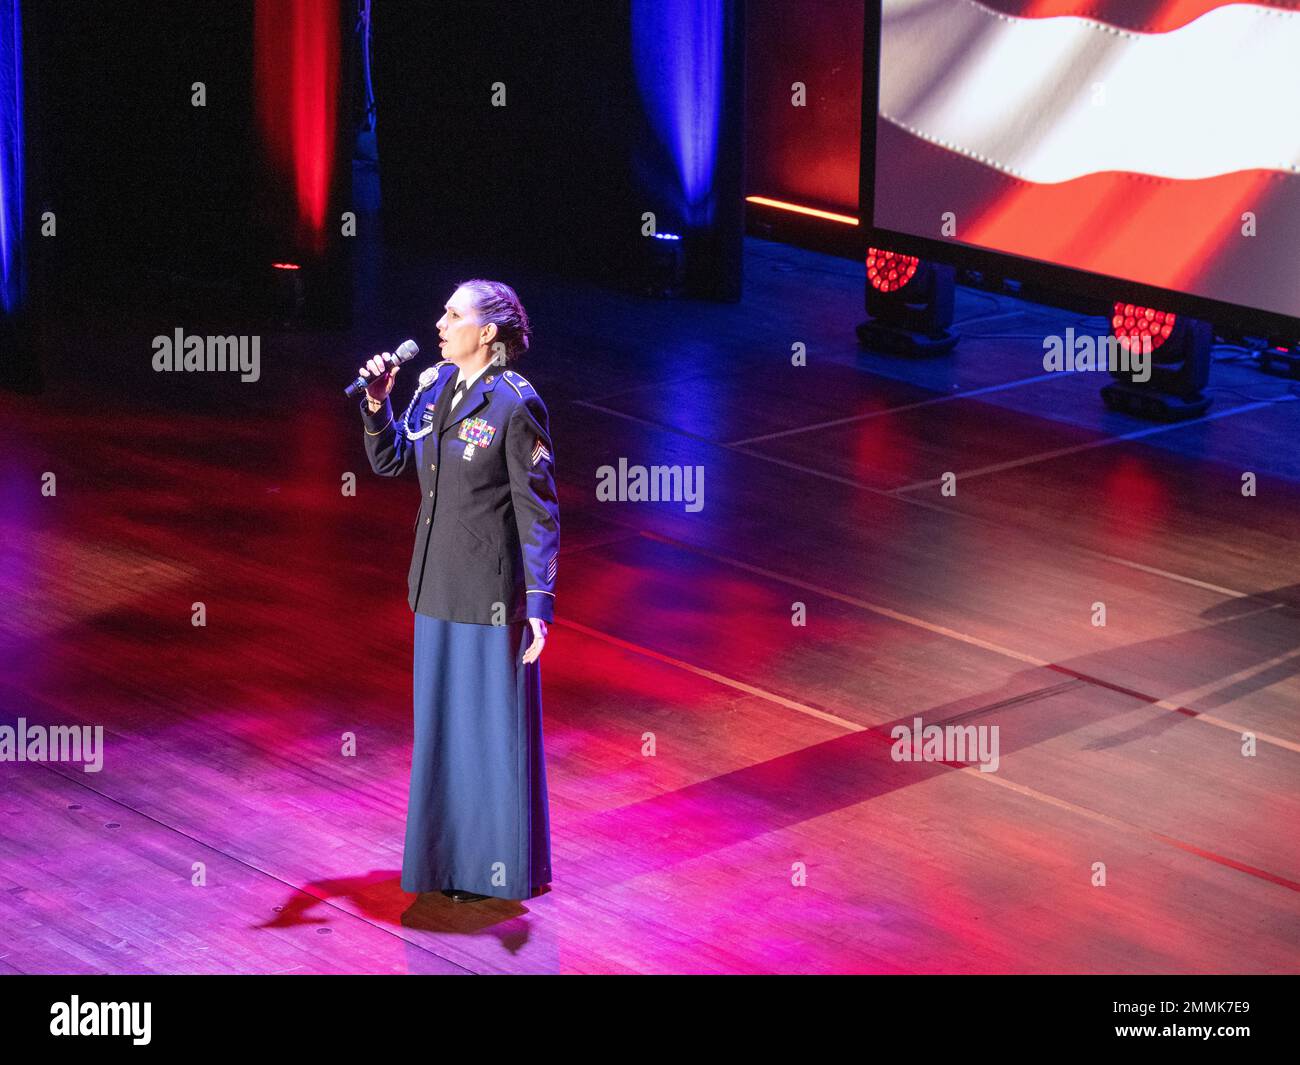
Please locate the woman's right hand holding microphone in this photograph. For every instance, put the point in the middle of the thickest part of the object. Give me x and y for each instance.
(379, 374)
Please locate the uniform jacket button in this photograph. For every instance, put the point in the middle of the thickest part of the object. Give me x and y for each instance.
(430, 492)
(426, 521)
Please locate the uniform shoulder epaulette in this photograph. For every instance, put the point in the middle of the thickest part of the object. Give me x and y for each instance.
(517, 383)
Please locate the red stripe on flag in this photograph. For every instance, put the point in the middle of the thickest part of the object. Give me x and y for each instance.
(1127, 225)
(1141, 16)
(1183, 235)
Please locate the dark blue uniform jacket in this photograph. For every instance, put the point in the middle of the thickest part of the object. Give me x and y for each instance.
(487, 534)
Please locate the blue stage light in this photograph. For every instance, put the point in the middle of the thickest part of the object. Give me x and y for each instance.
(11, 157)
(677, 57)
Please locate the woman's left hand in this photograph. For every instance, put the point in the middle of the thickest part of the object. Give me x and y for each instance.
(539, 640)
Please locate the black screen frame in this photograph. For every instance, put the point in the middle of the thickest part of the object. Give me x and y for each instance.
(1053, 276)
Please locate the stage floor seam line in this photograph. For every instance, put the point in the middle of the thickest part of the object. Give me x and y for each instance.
(932, 401)
(1020, 789)
(1105, 441)
(1114, 822)
(1027, 530)
(596, 544)
(645, 421)
(708, 674)
(694, 375)
(975, 641)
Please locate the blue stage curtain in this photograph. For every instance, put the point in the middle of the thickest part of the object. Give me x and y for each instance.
(677, 57)
(688, 155)
(11, 157)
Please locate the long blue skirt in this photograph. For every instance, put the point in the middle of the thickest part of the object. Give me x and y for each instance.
(478, 818)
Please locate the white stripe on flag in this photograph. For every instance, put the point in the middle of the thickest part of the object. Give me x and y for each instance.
(1052, 99)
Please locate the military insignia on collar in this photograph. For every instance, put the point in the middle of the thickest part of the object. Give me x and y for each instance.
(476, 431)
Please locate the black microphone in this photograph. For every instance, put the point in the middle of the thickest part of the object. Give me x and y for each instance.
(406, 351)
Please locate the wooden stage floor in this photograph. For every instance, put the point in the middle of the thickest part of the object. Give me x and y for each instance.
(772, 831)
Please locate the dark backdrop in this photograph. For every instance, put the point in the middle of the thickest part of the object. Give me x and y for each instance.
(139, 180)
(154, 197)
(546, 177)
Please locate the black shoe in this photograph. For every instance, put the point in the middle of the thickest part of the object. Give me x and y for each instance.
(465, 896)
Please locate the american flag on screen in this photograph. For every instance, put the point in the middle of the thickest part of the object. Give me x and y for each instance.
(1136, 138)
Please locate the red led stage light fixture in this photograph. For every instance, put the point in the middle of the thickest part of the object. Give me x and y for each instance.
(909, 302)
(1168, 358)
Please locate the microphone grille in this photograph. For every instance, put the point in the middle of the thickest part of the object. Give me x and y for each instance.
(407, 350)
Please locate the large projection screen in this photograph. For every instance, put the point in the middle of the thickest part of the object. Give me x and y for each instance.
(1150, 142)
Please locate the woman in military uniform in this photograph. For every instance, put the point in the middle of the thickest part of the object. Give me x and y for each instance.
(482, 586)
